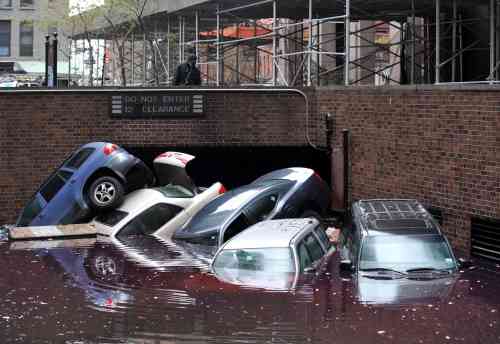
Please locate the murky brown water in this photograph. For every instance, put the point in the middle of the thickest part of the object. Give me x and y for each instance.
(144, 291)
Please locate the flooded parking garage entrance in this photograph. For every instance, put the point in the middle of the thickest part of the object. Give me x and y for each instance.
(146, 291)
(236, 166)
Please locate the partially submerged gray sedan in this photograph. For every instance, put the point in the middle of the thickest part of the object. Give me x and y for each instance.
(288, 193)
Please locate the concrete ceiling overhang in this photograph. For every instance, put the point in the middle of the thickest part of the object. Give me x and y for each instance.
(158, 11)
(299, 9)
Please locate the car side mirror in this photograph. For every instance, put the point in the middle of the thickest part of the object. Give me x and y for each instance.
(464, 263)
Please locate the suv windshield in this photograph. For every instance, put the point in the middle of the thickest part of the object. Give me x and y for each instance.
(403, 253)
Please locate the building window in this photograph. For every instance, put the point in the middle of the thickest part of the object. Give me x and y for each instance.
(5, 3)
(4, 38)
(26, 38)
(27, 3)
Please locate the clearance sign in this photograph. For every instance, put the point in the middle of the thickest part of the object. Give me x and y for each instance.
(158, 105)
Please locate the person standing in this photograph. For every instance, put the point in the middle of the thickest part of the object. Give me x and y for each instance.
(187, 73)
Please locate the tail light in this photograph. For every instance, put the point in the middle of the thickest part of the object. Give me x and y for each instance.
(109, 148)
(222, 189)
(317, 175)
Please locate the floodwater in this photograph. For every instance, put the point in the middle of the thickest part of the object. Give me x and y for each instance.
(146, 291)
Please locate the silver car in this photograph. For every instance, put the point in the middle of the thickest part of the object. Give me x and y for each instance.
(274, 254)
(287, 193)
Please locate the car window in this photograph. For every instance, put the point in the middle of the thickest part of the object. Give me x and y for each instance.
(30, 212)
(272, 260)
(111, 218)
(176, 191)
(66, 175)
(79, 158)
(304, 258)
(323, 238)
(313, 247)
(260, 209)
(150, 220)
(52, 187)
(239, 224)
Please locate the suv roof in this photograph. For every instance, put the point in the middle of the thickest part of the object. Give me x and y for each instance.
(394, 216)
(270, 233)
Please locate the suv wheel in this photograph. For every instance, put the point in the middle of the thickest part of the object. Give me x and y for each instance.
(105, 193)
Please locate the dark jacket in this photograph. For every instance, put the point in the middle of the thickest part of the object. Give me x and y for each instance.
(187, 74)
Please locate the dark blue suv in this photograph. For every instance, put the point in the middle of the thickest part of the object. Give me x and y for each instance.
(94, 178)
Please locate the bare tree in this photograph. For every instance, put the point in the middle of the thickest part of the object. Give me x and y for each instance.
(123, 18)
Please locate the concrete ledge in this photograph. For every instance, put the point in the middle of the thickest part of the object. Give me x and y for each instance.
(45, 232)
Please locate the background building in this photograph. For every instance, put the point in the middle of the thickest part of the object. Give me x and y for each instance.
(24, 24)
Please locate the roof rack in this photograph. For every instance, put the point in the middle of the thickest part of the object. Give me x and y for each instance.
(395, 214)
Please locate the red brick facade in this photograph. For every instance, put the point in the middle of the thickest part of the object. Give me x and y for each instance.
(438, 145)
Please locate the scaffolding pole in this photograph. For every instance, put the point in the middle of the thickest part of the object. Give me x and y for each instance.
(438, 43)
(218, 47)
(169, 64)
(197, 32)
(309, 46)
(274, 59)
(454, 41)
(492, 41)
(413, 44)
(347, 51)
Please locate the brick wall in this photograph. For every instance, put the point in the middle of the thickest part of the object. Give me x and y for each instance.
(38, 130)
(439, 145)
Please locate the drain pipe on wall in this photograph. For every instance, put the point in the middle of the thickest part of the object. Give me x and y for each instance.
(347, 174)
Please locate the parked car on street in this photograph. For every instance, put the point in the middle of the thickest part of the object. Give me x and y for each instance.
(395, 238)
(93, 179)
(287, 193)
(273, 254)
(160, 210)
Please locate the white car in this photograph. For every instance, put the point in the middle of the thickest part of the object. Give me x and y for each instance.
(160, 210)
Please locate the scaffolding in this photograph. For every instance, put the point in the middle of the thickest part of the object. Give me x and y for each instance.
(352, 42)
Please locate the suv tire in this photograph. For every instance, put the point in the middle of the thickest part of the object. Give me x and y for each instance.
(105, 193)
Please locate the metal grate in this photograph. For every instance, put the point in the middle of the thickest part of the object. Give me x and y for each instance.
(485, 238)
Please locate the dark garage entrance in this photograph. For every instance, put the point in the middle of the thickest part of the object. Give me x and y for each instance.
(235, 166)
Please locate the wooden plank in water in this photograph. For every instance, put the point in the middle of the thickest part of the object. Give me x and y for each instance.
(28, 245)
(45, 232)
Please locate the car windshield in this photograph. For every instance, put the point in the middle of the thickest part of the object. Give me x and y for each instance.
(175, 191)
(403, 253)
(112, 217)
(271, 268)
(215, 213)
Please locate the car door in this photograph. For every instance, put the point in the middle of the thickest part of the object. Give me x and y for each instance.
(60, 197)
(310, 252)
(31, 212)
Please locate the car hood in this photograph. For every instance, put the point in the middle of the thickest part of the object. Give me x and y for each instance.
(403, 291)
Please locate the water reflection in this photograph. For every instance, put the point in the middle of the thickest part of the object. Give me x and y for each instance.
(144, 290)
